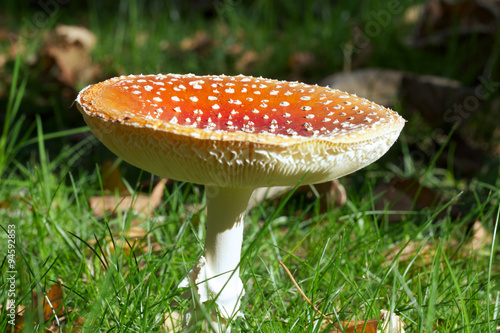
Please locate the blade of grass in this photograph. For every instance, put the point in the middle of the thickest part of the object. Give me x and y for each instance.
(490, 267)
(464, 310)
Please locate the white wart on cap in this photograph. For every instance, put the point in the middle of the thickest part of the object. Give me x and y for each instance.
(237, 131)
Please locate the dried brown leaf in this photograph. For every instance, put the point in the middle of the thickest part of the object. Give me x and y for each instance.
(136, 233)
(480, 239)
(52, 305)
(300, 62)
(141, 203)
(4, 204)
(70, 34)
(378, 85)
(426, 251)
(199, 42)
(433, 96)
(370, 326)
(439, 20)
(68, 49)
(53, 302)
(246, 61)
(405, 195)
(78, 325)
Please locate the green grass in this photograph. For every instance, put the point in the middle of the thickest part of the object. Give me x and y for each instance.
(345, 260)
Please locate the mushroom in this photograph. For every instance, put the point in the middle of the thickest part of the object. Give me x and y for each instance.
(233, 134)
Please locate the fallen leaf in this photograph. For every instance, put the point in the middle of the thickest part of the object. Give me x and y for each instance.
(4, 204)
(52, 302)
(440, 20)
(426, 251)
(71, 34)
(432, 96)
(299, 63)
(378, 85)
(370, 326)
(481, 239)
(402, 195)
(141, 203)
(246, 61)
(78, 325)
(52, 305)
(136, 233)
(235, 49)
(199, 42)
(68, 48)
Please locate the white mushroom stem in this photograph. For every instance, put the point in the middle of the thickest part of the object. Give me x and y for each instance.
(217, 274)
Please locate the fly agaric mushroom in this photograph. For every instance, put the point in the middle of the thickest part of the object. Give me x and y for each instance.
(233, 134)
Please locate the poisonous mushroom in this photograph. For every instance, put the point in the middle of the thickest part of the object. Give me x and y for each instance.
(233, 134)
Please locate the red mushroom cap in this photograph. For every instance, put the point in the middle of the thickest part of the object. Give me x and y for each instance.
(237, 131)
